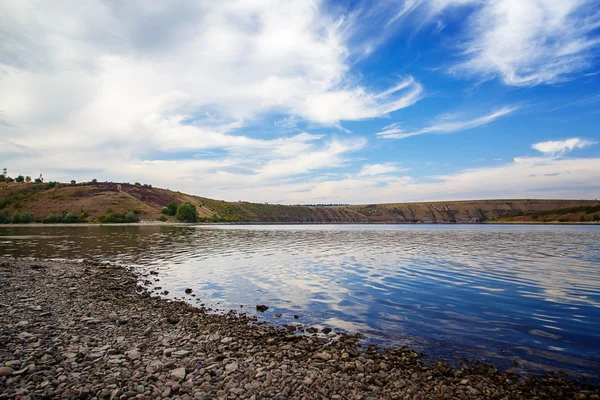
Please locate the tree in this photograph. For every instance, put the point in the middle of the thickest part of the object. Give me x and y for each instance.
(37, 180)
(131, 216)
(2, 178)
(25, 217)
(20, 179)
(9, 179)
(16, 218)
(186, 212)
(69, 218)
(94, 180)
(28, 179)
(73, 182)
(3, 217)
(170, 209)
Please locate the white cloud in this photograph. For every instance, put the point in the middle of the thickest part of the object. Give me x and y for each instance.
(447, 124)
(379, 169)
(531, 42)
(137, 90)
(236, 59)
(523, 42)
(560, 147)
(534, 177)
(331, 156)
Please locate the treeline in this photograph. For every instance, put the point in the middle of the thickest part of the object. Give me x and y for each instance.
(535, 215)
(18, 217)
(19, 178)
(324, 205)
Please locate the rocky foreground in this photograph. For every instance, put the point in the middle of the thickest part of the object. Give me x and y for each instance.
(87, 331)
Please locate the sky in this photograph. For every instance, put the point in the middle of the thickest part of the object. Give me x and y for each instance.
(303, 102)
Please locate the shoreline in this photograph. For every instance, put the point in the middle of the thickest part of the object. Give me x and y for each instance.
(85, 329)
(184, 224)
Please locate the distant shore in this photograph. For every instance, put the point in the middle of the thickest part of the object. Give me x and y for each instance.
(84, 330)
(182, 224)
(111, 202)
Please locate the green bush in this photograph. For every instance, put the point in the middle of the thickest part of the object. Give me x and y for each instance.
(163, 218)
(21, 217)
(20, 179)
(63, 218)
(3, 217)
(170, 209)
(9, 179)
(130, 216)
(37, 180)
(53, 219)
(69, 218)
(26, 217)
(2, 178)
(112, 217)
(17, 205)
(5, 202)
(27, 179)
(186, 212)
(50, 185)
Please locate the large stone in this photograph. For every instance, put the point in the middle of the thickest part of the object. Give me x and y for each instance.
(180, 353)
(178, 374)
(231, 367)
(133, 354)
(6, 371)
(322, 356)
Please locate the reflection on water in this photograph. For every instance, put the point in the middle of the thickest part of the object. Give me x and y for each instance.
(500, 293)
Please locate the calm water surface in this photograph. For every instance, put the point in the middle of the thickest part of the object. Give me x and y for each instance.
(529, 294)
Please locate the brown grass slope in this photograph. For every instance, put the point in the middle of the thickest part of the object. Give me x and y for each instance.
(94, 199)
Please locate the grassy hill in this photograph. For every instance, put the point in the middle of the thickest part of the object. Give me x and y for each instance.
(91, 202)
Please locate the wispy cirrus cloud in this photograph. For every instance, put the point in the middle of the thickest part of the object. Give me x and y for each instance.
(524, 43)
(531, 42)
(448, 124)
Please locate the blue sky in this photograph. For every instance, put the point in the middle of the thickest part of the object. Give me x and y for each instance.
(308, 101)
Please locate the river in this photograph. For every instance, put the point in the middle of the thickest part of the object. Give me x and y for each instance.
(499, 293)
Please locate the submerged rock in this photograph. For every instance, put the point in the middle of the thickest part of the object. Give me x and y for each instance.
(261, 307)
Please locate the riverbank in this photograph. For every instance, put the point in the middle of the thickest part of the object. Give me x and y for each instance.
(85, 330)
(183, 224)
